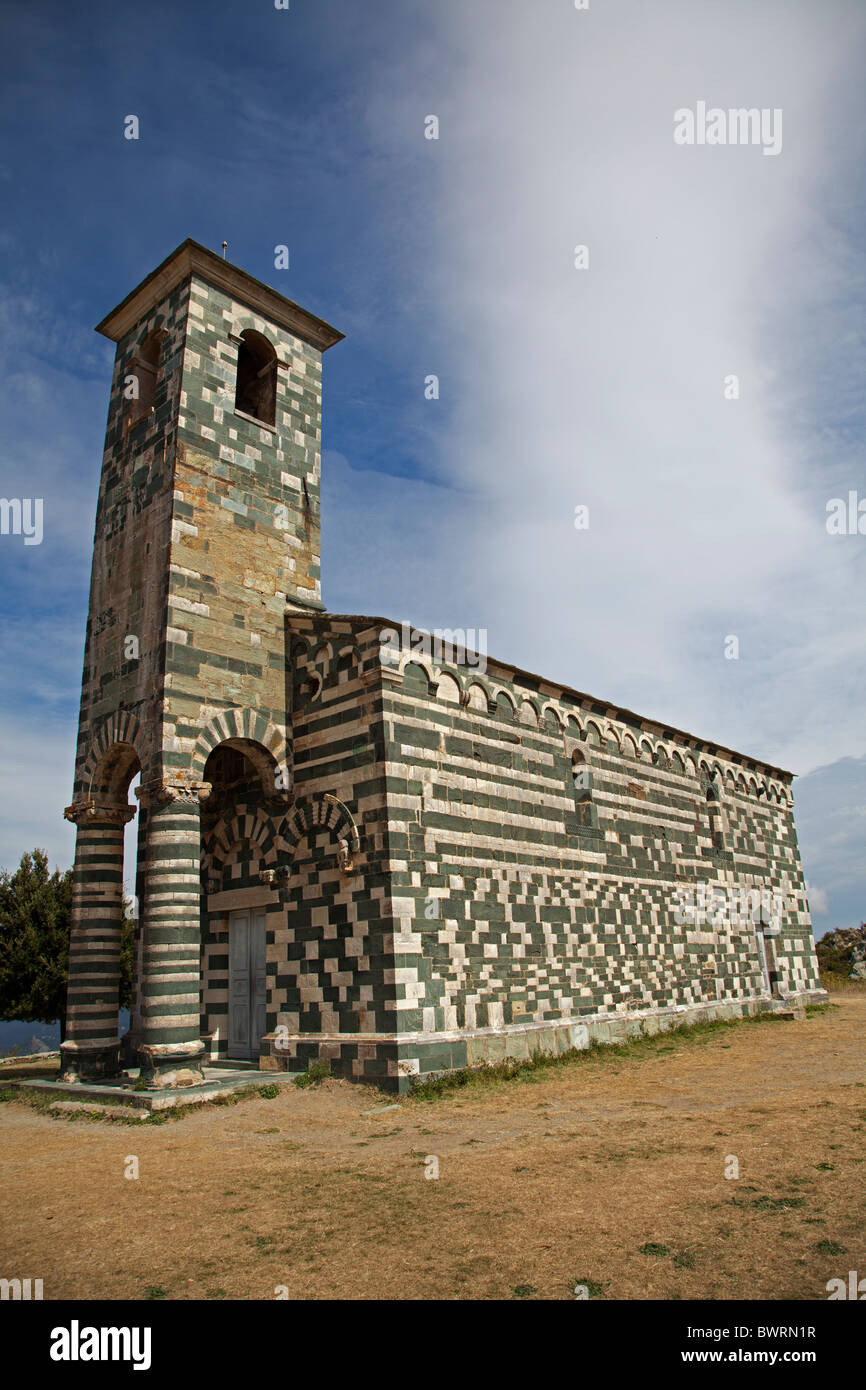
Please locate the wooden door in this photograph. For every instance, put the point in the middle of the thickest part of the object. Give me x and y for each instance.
(247, 984)
(258, 982)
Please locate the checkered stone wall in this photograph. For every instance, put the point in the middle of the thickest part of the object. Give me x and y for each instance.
(516, 909)
(334, 993)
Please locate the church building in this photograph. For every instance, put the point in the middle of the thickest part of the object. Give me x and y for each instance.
(380, 854)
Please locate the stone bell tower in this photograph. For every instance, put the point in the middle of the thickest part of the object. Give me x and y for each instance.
(207, 533)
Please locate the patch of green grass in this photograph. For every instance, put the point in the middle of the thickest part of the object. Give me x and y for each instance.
(685, 1260)
(523, 1290)
(830, 1247)
(37, 1100)
(826, 1167)
(593, 1288)
(314, 1075)
(269, 1092)
(154, 1291)
(770, 1203)
(659, 1251)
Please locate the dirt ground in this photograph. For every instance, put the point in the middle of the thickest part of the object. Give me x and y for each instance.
(607, 1172)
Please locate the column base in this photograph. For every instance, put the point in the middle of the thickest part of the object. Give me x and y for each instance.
(90, 1061)
(169, 1066)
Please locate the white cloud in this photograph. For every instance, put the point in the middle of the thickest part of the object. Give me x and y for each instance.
(605, 386)
(818, 901)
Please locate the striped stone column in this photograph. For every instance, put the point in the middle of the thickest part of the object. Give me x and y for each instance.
(132, 1041)
(91, 1047)
(171, 1049)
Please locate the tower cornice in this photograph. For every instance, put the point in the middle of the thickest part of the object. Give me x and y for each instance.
(192, 259)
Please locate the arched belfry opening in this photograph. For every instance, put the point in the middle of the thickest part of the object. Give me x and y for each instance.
(144, 371)
(256, 389)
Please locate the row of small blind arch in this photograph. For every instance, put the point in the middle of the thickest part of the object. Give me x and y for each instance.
(596, 733)
(255, 385)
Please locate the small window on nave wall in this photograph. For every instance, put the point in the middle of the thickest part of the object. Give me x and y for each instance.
(581, 775)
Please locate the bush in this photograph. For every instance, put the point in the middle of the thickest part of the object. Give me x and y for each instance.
(834, 949)
(314, 1075)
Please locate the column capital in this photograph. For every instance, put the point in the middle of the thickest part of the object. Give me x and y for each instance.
(161, 792)
(82, 812)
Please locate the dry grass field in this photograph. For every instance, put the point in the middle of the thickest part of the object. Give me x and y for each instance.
(607, 1171)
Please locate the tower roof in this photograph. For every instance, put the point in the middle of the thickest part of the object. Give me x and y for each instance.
(190, 258)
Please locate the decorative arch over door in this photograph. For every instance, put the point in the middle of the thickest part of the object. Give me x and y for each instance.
(322, 813)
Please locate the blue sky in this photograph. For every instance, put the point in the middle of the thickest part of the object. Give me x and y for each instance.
(559, 386)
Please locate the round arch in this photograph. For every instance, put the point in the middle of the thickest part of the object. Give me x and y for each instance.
(116, 755)
(248, 828)
(251, 734)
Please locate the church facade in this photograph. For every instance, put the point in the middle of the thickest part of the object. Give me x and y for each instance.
(357, 846)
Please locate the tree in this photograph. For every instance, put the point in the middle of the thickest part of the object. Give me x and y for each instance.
(35, 912)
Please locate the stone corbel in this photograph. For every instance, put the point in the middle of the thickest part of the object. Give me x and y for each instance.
(277, 880)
